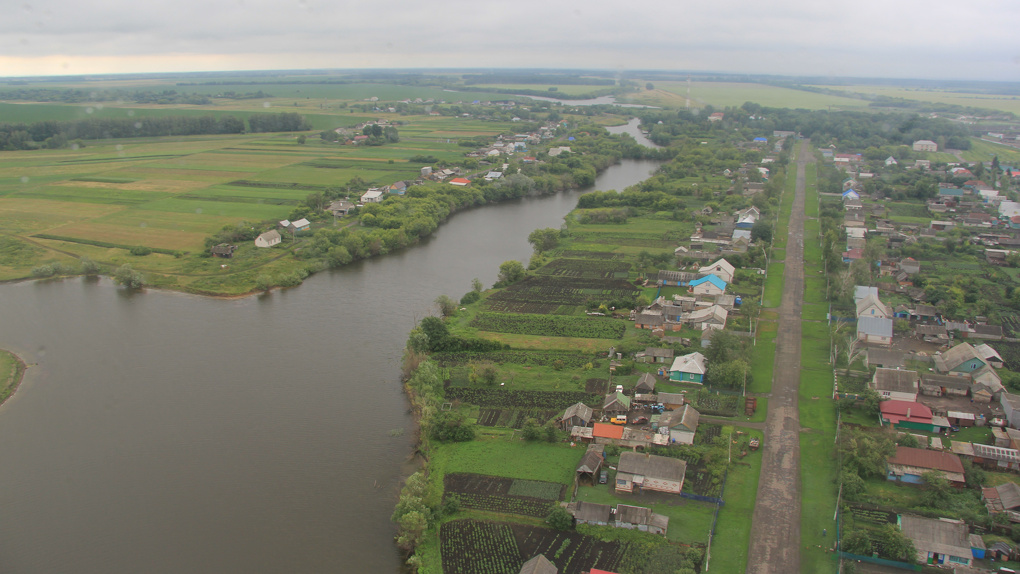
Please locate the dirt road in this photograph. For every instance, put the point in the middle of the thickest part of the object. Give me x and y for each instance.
(775, 526)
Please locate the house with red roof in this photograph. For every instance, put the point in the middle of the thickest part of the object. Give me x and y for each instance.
(852, 255)
(908, 464)
(907, 415)
(607, 431)
(461, 181)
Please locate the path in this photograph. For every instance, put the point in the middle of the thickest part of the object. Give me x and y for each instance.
(775, 525)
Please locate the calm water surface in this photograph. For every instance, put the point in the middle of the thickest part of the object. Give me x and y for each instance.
(160, 432)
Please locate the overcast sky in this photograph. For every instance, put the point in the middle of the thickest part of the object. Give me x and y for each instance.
(881, 38)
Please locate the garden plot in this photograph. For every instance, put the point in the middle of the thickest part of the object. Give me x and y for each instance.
(502, 399)
(586, 269)
(545, 294)
(512, 418)
(550, 325)
(478, 547)
(503, 495)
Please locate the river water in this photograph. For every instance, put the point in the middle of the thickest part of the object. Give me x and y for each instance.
(162, 432)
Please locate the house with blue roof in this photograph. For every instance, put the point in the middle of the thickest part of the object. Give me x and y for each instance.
(708, 285)
(760, 139)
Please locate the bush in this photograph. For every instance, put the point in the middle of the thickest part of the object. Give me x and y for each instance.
(43, 271)
(140, 250)
(470, 297)
(128, 277)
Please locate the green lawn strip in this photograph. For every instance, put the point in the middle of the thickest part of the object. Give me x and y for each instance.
(763, 358)
(814, 311)
(818, 466)
(733, 529)
(774, 285)
(814, 290)
(11, 371)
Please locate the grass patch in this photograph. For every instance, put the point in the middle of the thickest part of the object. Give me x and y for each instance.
(11, 370)
(774, 285)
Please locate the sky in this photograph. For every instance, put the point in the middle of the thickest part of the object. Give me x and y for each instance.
(865, 38)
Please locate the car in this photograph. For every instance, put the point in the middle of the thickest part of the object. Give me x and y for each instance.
(619, 420)
(639, 420)
(604, 477)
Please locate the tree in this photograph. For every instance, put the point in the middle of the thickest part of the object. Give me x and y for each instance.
(761, 231)
(731, 374)
(89, 268)
(894, 544)
(446, 305)
(391, 134)
(544, 239)
(856, 542)
(435, 329)
(559, 518)
(476, 285)
(649, 86)
(936, 490)
(531, 431)
(301, 139)
(128, 277)
(511, 272)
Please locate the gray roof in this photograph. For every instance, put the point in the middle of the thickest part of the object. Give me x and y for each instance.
(539, 565)
(942, 535)
(271, 235)
(861, 291)
(671, 398)
(931, 330)
(590, 462)
(577, 410)
(686, 418)
(647, 381)
(640, 515)
(869, 300)
(955, 357)
(926, 310)
(876, 326)
(650, 319)
(948, 381)
(885, 357)
(1009, 495)
(652, 466)
(895, 380)
(590, 512)
(657, 351)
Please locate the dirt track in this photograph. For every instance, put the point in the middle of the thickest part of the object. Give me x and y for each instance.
(775, 526)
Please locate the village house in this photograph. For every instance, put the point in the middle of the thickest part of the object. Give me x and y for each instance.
(961, 359)
(871, 306)
(650, 472)
(268, 239)
(1010, 408)
(713, 317)
(373, 196)
(671, 401)
(645, 384)
(708, 285)
(680, 424)
(340, 208)
(539, 565)
(895, 384)
(989, 355)
(654, 355)
(907, 415)
(925, 145)
(688, 368)
(721, 269)
(1004, 498)
(875, 330)
(623, 516)
(223, 250)
(648, 319)
(934, 385)
(883, 358)
(578, 414)
(591, 463)
(908, 464)
(939, 541)
(616, 404)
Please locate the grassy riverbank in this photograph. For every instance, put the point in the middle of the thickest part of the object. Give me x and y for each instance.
(12, 369)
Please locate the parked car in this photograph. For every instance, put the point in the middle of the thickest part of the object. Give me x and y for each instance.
(639, 420)
(619, 420)
(604, 477)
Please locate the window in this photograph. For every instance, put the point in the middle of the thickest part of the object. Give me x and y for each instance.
(958, 560)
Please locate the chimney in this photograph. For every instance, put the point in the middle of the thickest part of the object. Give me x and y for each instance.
(908, 412)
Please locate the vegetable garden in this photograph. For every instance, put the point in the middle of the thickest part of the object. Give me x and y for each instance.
(586, 269)
(503, 495)
(502, 399)
(478, 547)
(570, 360)
(544, 294)
(512, 418)
(550, 325)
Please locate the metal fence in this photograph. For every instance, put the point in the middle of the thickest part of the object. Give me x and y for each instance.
(882, 561)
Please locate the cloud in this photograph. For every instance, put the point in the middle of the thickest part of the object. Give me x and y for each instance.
(906, 38)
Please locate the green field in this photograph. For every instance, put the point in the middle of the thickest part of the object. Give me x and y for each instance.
(1006, 103)
(11, 371)
(725, 94)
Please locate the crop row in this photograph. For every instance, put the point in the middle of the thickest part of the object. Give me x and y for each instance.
(569, 360)
(499, 398)
(550, 290)
(519, 505)
(586, 268)
(536, 489)
(512, 418)
(476, 547)
(599, 255)
(550, 325)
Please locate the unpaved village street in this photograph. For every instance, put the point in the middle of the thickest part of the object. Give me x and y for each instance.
(775, 527)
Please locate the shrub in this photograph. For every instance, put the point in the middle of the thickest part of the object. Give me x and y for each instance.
(140, 250)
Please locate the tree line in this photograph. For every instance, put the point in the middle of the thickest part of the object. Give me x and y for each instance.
(57, 134)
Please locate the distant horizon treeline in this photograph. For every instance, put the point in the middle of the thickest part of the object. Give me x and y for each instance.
(80, 96)
(51, 134)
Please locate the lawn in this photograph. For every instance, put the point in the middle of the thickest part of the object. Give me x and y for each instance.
(763, 358)
(774, 285)
(733, 530)
(726, 94)
(11, 371)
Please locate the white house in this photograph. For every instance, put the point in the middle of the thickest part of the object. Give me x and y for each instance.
(268, 239)
(721, 269)
(650, 472)
(870, 306)
(708, 285)
(925, 145)
(896, 384)
(373, 196)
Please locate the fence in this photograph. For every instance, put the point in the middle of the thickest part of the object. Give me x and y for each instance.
(882, 561)
(711, 499)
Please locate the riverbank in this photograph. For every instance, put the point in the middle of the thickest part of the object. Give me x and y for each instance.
(12, 371)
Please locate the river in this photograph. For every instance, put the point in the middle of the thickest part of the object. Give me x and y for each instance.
(163, 432)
